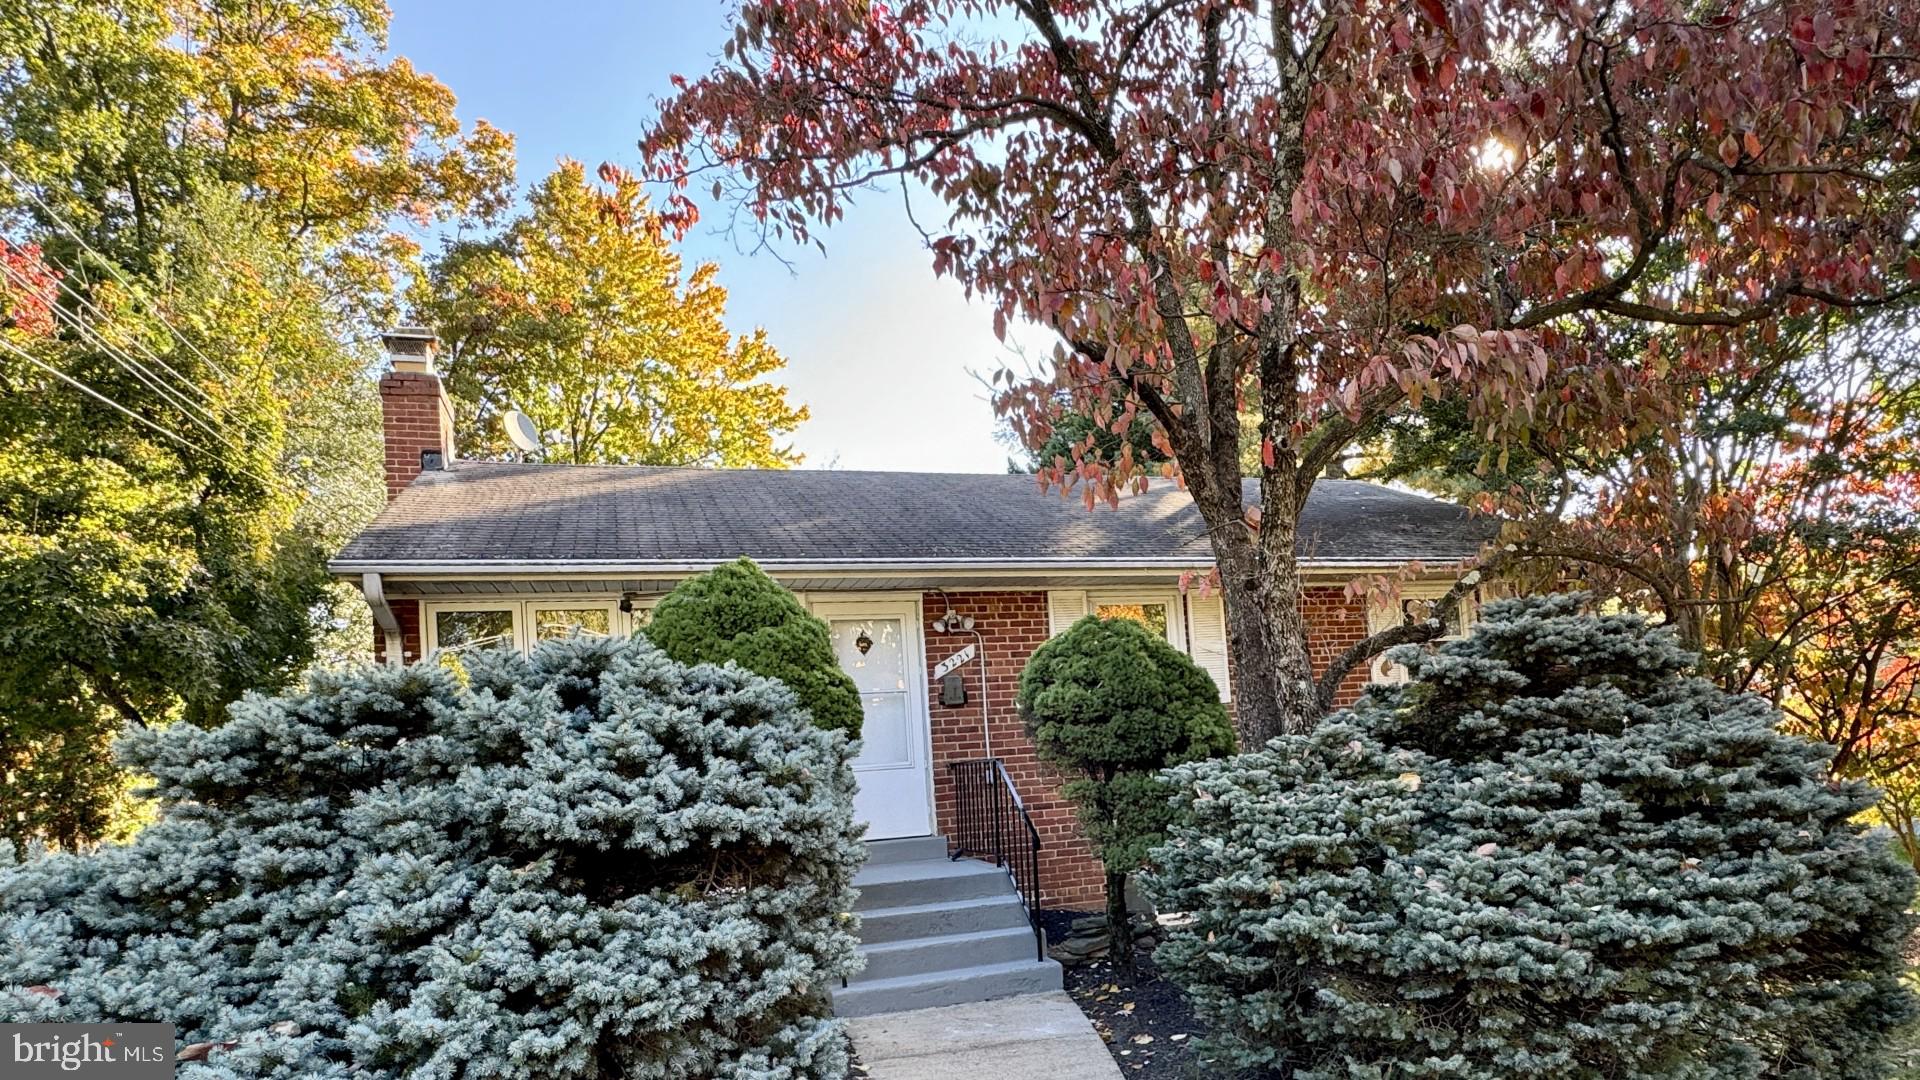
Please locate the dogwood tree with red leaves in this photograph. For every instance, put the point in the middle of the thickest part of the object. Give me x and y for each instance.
(1325, 212)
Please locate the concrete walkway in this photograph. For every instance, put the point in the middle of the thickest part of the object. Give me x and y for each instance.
(1032, 1037)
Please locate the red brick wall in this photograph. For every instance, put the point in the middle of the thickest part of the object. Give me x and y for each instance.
(1334, 623)
(408, 612)
(1012, 625)
(415, 416)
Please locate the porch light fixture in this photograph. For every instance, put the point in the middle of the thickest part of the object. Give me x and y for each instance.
(863, 643)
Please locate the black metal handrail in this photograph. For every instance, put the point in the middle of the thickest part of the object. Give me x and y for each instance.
(992, 823)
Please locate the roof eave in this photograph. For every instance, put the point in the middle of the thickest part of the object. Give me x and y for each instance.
(354, 568)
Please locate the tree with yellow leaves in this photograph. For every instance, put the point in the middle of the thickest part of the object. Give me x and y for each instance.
(580, 315)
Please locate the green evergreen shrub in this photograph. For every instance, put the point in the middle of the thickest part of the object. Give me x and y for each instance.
(1554, 853)
(1110, 704)
(593, 862)
(736, 612)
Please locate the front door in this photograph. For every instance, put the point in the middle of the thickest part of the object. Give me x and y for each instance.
(878, 644)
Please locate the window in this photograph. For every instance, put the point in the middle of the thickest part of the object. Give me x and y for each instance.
(1156, 609)
(456, 627)
(1456, 622)
(558, 622)
(1194, 624)
(1418, 609)
(1151, 616)
(473, 629)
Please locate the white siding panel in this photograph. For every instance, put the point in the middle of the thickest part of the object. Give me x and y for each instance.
(1064, 608)
(1207, 632)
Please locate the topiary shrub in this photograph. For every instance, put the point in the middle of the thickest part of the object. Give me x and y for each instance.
(1110, 704)
(1554, 853)
(736, 612)
(594, 862)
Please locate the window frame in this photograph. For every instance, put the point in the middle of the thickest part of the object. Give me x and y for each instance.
(430, 612)
(620, 623)
(1382, 617)
(1168, 596)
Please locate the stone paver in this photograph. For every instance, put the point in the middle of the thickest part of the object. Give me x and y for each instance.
(1032, 1037)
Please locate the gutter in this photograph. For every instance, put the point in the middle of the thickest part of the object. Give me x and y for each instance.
(375, 591)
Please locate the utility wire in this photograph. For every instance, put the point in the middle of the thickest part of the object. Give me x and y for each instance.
(279, 483)
(141, 372)
(112, 267)
(97, 395)
(62, 279)
(317, 488)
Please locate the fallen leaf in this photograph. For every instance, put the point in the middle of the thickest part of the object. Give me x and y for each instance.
(199, 1051)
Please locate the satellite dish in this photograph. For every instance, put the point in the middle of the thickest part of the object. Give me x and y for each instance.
(521, 432)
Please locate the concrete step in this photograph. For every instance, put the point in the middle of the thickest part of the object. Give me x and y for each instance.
(927, 881)
(948, 953)
(879, 926)
(981, 983)
(911, 849)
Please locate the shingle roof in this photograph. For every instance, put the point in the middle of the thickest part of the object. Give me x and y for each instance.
(495, 514)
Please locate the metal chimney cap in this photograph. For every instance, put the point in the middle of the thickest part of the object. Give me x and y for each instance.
(411, 348)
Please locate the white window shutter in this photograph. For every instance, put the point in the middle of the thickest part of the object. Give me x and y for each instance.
(1064, 608)
(1207, 637)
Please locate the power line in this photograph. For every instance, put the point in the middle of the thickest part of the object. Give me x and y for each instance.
(97, 395)
(110, 265)
(61, 280)
(279, 483)
(139, 371)
(318, 488)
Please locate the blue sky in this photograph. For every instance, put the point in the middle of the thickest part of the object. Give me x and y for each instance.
(878, 347)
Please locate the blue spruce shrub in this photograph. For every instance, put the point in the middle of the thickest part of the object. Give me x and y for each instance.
(1554, 853)
(593, 862)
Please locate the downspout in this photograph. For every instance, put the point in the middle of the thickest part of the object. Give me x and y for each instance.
(384, 618)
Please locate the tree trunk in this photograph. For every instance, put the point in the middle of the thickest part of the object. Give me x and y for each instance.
(1119, 927)
(1273, 683)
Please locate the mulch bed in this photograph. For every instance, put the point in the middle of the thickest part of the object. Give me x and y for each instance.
(1144, 1019)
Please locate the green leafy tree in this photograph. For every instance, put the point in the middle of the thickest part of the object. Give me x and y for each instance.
(389, 874)
(157, 563)
(1077, 437)
(737, 613)
(1111, 704)
(215, 191)
(1556, 851)
(114, 111)
(579, 314)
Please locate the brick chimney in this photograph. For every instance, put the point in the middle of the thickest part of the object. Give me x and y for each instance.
(416, 415)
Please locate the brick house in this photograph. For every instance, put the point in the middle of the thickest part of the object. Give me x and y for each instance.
(910, 571)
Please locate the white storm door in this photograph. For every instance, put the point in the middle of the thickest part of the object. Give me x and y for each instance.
(878, 644)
